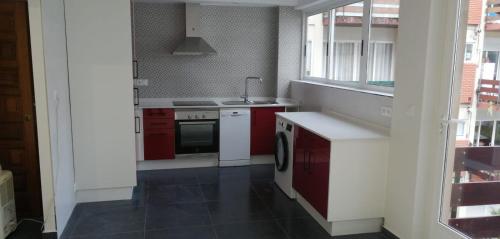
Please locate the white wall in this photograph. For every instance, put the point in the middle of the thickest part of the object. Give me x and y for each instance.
(56, 74)
(420, 101)
(42, 119)
(101, 86)
(355, 104)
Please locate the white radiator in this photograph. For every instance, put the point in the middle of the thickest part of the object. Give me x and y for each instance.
(8, 221)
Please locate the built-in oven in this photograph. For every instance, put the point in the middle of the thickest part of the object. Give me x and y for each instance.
(196, 131)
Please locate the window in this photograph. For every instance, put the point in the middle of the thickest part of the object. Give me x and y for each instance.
(383, 36)
(461, 129)
(335, 49)
(317, 44)
(469, 48)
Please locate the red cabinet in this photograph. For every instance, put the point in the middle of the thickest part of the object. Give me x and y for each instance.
(263, 130)
(311, 168)
(159, 134)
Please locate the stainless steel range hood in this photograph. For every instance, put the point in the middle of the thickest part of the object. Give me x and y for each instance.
(193, 45)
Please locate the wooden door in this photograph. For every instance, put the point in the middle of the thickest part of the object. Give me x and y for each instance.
(18, 143)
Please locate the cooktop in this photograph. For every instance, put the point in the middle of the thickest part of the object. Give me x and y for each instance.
(195, 103)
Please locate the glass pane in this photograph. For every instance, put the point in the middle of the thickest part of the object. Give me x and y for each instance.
(316, 45)
(383, 39)
(196, 135)
(486, 133)
(345, 52)
(471, 198)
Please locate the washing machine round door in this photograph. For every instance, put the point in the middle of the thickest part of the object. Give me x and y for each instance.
(281, 151)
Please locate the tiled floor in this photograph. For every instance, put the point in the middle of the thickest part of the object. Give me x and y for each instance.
(203, 203)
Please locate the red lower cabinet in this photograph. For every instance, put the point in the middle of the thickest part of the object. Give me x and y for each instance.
(263, 129)
(159, 134)
(311, 169)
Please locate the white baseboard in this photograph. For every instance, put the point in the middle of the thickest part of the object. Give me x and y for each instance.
(340, 228)
(181, 161)
(108, 194)
(231, 163)
(262, 159)
(201, 161)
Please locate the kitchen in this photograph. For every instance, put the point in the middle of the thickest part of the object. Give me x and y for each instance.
(237, 118)
(190, 114)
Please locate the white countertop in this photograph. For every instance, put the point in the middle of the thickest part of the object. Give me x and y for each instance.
(145, 103)
(332, 127)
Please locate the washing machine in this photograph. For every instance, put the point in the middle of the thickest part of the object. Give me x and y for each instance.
(283, 166)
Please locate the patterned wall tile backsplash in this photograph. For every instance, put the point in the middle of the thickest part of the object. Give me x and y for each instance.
(245, 38)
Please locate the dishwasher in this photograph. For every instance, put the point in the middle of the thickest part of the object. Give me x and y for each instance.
(234, 137)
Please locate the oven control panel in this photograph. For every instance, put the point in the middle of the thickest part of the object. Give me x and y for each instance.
(196, 114)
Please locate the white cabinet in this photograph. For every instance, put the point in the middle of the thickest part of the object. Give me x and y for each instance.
(99, 52)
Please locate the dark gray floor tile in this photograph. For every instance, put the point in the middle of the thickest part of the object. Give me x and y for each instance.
(262, 172)
(239, 210)
(362, 236)
(303, 229)
(266, 189)
(256, 230)
(283, 207)
(27, 230)
(177, 215)
(183, 233)
(170, 177)
(167, 194)
(228, 191)
(128, 235)
(208, 175)
(93, 220)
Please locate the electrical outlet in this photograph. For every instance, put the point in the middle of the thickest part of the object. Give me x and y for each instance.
(141, 82)
(386, 111)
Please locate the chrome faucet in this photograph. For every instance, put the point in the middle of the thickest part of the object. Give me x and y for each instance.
(245, 96)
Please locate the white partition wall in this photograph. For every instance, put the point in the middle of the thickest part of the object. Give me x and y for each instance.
(100, 74)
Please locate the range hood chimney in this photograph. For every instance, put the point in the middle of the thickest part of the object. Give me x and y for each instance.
(193, 45)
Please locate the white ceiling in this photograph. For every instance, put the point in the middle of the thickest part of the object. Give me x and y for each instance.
(231, 2)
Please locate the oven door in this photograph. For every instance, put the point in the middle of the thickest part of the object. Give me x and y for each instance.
(196, 136)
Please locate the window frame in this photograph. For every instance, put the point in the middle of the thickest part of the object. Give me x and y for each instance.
(361, 85)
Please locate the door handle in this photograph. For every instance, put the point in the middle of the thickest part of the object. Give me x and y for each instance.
(445, 122)
(28, 117)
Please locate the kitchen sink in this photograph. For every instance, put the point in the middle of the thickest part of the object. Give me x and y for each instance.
(257, 102)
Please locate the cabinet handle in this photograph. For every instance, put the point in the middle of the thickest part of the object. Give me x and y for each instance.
(309, 163)
(135, 65)
(306, 155)
(137, 125)
(136, 96)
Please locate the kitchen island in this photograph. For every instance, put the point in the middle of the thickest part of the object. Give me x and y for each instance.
(339, 171)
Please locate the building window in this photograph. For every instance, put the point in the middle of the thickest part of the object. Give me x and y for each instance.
(469, 49)
(461, 129)
(345, 61)
(335, 49)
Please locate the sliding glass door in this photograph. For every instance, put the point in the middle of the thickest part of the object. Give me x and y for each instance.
(470, 195)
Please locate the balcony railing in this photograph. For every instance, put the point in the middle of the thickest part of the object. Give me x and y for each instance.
(481, 189)
(488, 92)
(493, 15)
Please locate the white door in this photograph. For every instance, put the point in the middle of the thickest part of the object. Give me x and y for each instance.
(467, 203)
